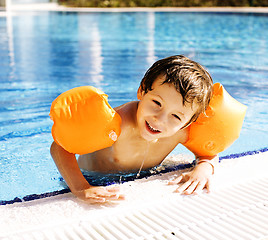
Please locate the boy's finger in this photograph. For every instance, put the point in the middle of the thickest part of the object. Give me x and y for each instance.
(111, 195)
(208, 185)
(183, 187)
(98, 192)
(107, 194)
(113, 188)
(191, 188)
(95, 200)
(200, 187)
(103, 194)
(103, 199)
(176, 180)
(117, 197)
(113, 192)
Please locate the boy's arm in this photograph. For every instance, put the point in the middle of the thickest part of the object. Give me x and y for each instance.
(68, 167)
(199, 178)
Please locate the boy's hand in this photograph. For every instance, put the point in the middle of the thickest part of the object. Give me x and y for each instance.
(100, 194)
(67, 164)
(194, 181)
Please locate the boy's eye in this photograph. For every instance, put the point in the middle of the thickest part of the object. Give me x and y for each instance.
(157, 103)
(176, 116)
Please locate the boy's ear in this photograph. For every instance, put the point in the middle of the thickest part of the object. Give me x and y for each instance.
(139, 93)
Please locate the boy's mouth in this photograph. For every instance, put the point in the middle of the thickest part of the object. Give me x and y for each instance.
(151, 129)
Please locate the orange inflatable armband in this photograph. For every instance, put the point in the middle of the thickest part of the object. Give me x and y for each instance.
(84, 121)
(216, 130)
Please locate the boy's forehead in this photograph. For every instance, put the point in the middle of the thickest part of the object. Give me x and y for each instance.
(166, 89)
(159, 81)
(160, 85)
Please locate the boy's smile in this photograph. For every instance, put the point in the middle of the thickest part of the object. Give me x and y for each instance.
(151, 129)
(161, 112)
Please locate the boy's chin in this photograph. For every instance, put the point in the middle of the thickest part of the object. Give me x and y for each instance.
(153, 140)
(150, 137)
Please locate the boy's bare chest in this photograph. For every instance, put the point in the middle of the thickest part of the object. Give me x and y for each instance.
(131, 153)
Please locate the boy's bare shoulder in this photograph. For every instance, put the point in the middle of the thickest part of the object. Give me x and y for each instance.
(179, 137)
(126, 106)
(127, 111)
(183, 135)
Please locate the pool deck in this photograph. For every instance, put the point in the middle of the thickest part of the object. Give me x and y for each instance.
(56, 7)
(240, 187)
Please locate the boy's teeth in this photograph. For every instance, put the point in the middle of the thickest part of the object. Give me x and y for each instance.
(151, 128)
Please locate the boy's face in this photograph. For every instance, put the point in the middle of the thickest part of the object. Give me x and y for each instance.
(161, 112)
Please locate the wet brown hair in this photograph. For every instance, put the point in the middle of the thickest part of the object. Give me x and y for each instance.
(189, 78)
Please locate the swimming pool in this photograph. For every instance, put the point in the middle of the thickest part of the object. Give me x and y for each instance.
(46, 53)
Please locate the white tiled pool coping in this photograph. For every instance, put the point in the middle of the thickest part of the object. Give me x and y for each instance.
(240, 194)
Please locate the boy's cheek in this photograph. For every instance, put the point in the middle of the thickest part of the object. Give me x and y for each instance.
(176, 128)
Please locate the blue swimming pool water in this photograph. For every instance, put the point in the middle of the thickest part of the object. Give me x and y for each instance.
(46, 53)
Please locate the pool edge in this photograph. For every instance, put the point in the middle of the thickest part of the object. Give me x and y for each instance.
(32, 197)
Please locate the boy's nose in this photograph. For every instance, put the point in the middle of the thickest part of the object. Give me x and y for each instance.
(161, 118)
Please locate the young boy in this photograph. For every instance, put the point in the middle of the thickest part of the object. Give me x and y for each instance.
(172, 94)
